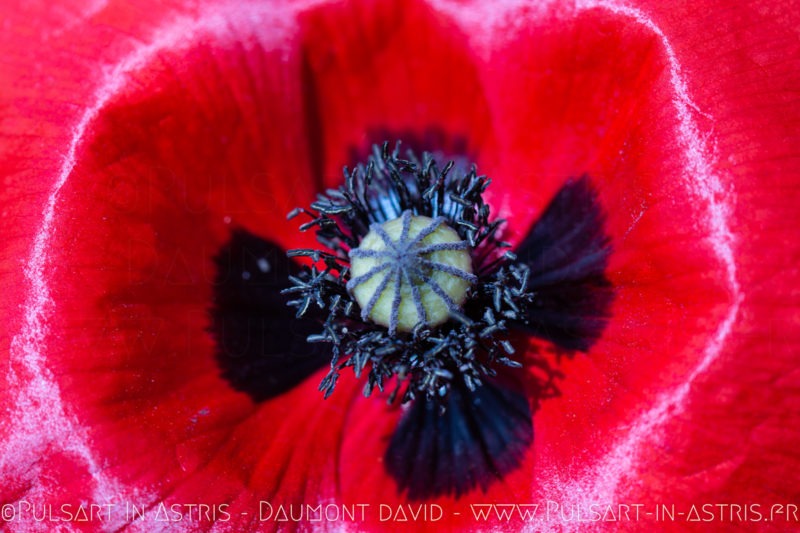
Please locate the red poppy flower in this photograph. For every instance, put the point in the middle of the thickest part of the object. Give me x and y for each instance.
(644, 157)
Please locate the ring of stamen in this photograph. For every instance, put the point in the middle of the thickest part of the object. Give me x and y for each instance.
(388, 217)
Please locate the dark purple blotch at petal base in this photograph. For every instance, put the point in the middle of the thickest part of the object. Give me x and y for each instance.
(261, 346)
(479, 437)
(567, 251)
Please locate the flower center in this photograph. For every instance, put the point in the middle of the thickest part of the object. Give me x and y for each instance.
(405, 246)
(410, 271)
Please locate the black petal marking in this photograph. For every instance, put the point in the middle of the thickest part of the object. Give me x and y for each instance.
(567, 251)
(479, 437)
(261, 348)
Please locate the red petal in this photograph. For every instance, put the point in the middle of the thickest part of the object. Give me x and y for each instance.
(701, 349)
(735, 439)
(695, 348)
(596, 100)
(386, 71)
(173, 151)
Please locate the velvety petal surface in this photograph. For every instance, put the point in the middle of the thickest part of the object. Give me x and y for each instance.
(387, 71)
(734, 432)
(181, 143)
(601, 102)
(139, 138)
(589, 91)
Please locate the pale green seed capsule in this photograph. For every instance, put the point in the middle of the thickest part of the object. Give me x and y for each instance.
(410, 270)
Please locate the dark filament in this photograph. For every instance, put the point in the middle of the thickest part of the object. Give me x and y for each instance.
(426, 359)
